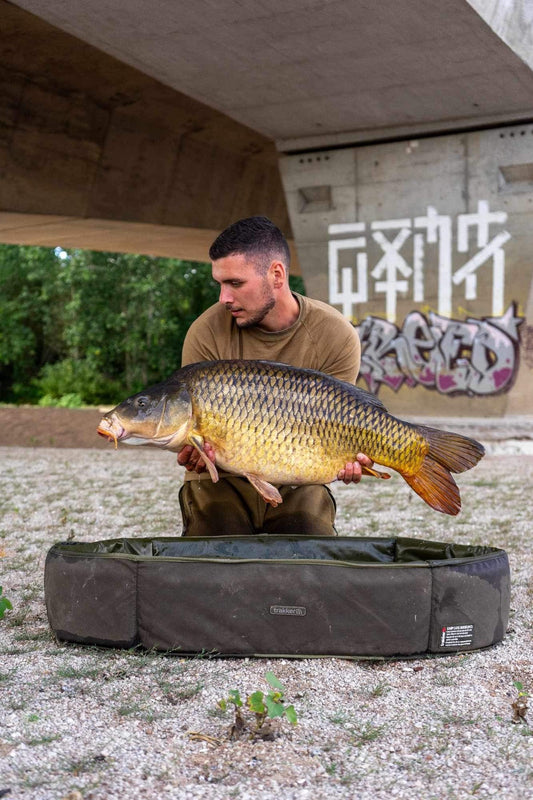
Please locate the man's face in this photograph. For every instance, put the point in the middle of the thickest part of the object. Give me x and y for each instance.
(247, 294)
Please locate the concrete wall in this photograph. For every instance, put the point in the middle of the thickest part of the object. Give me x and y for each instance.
(427, 246)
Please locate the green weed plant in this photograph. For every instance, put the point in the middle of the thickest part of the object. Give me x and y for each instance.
(263, 708)
(5, 603)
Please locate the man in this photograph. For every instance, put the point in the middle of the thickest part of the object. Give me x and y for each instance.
(258, 317)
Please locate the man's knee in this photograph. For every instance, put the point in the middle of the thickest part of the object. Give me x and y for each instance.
(209, 509)
(306, 511)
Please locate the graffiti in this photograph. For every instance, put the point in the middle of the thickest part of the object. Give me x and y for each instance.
(400, 273)
(474, 357)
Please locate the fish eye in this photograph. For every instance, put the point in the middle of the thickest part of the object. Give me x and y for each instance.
(141, 402)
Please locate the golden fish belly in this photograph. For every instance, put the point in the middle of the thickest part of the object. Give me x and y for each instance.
(287, 448)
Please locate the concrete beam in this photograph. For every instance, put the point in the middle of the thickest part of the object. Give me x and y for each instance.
(95, 154)
(169, 241)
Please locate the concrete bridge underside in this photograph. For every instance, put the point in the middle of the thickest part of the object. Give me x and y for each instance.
(147, 127)
(96, 154)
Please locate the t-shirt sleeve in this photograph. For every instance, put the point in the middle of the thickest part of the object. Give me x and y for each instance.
(200, 344)
(336, 341)
(342, 355)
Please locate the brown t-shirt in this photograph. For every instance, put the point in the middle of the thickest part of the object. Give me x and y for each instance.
(321, 338)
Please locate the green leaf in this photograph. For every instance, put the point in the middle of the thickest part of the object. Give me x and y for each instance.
(235, 697)
(5, 605)
(274, 682)
(290, 713)
(274, 709)
(256, 702)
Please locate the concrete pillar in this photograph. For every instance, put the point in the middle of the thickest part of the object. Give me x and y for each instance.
(426, 246)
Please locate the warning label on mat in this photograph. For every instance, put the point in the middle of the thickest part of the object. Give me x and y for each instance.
(456, 635)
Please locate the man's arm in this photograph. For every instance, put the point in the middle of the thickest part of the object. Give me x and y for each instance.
(201, 342)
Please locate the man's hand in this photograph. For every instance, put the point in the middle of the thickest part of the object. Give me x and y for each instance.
(190, 458)
(353, 472)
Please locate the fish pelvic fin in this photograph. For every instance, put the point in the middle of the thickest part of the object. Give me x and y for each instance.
(455, 452)
(434, 484)
(268, 492)
(198, 441)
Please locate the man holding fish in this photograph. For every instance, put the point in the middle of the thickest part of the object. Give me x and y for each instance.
(259, 317)
(266, 400)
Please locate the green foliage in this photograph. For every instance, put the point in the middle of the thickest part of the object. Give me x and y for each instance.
(28, 333)
(264, 707)
(296, 282)
(5, 604)
(519, 686)
(72, 383)
(85, 327)
(520, 705)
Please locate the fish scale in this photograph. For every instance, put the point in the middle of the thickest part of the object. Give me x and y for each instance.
(326, 405)
(277, 424)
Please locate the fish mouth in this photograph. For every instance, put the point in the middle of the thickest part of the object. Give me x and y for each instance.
(111, 429)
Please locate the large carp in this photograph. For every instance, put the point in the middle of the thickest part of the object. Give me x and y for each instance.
(276, 424)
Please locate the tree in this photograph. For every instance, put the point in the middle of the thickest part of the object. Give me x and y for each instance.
(88, 327)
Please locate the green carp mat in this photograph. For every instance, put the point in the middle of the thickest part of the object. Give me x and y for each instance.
(289, 596)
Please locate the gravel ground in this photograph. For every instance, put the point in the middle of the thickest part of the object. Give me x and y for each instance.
(79, 722)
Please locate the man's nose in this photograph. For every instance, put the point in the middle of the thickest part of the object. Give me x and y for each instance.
(225, 295)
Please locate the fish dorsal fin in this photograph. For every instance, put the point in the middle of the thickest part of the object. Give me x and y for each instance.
(363, 396)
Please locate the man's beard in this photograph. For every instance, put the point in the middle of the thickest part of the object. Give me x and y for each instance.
(259, 315)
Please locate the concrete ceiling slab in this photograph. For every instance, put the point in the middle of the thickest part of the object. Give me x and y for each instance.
(313, 70)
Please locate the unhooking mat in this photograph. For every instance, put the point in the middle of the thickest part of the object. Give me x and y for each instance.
(279, 595)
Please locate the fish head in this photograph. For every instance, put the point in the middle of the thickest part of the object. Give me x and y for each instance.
(158, 416)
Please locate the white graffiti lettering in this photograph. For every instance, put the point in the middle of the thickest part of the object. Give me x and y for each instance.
(474, 357)
(400, 269)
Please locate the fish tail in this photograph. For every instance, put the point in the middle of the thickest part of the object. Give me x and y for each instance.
(455, 452)
(448, 452)
(434, 484)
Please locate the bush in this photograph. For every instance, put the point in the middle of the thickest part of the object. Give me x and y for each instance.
(87, 327)
(72, 383)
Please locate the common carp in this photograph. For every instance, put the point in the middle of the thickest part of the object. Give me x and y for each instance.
(277, 424)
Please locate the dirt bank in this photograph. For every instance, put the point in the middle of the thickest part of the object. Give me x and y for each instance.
(33, 426)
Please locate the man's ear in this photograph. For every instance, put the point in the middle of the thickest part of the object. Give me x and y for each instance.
(279, 273)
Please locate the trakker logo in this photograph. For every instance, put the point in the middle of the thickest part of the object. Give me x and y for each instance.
(288, 611)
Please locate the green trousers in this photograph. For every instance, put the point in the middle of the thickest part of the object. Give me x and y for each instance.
(232, 507)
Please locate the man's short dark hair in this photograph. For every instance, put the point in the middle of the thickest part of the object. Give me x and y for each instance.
(256, 237)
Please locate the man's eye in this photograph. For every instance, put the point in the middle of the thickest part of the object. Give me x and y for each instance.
(236, 283)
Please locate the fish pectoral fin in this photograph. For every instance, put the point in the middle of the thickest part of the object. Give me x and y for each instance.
(197, 441)
(268, 492)
(375, 473)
